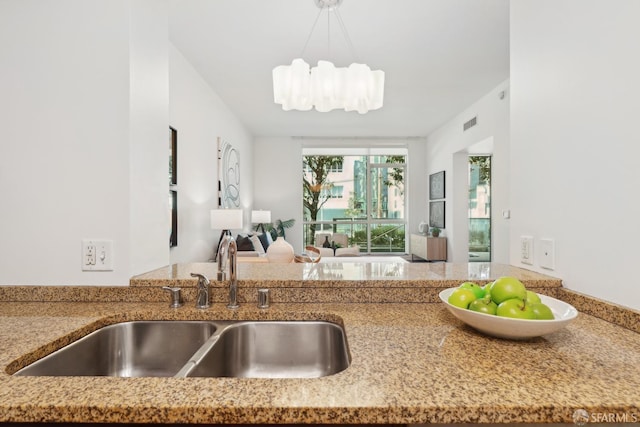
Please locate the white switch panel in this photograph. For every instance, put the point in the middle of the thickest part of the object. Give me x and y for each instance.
(547, 253)
(526, 250)
(97, 255)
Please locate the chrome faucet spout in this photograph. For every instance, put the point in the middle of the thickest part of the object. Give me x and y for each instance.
(233, 273)
(229, 250)
(223, 248)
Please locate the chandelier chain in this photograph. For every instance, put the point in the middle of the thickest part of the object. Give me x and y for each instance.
(328, 33)
(343, 29)
(304, 49)
(327, 87)
(345, 33)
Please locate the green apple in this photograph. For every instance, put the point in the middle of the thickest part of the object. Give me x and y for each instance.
(474, 287)
(515, 308)
(484, 305)
(487, 288)
(461, 297)
(505, 288)
(532, 297)
(542, 311)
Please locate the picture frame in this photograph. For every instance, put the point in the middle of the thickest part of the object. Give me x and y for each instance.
(228, 175)
(436, 214)
(437, 185)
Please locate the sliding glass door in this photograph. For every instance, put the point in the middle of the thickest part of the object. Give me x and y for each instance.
(357, 193)
(479, 208)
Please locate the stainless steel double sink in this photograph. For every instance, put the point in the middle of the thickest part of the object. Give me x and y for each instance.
(247, 349)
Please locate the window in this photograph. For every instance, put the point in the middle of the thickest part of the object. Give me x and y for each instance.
(358, 192)
(336, 168)
(479, 208)
(333, 192)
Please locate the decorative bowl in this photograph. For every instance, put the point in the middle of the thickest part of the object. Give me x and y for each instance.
(505, 327)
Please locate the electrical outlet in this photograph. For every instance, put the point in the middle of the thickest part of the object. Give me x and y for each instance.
(547, 253)
(97, 255)
(526, 250)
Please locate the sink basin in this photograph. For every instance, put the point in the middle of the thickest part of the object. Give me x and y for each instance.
(274, 350)
(130, 349)
(248, 349)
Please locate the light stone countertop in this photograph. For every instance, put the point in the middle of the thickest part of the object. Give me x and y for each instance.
(411, 363)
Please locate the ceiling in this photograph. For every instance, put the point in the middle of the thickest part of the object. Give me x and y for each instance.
(439, 56)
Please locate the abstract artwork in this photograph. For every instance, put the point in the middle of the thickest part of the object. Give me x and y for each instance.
(228, 175)
(436, 186)
(436, 214)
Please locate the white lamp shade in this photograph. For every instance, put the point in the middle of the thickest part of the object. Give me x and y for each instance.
(291, 86)
(364, 89)
(327, 87)
(260, 217)
(226, 219)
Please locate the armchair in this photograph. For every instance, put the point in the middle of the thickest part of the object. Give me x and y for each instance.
(341, 245)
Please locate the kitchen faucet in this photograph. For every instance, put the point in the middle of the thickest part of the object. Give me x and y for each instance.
(229, 249)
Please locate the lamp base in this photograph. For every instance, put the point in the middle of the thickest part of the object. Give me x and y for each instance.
(222, 234)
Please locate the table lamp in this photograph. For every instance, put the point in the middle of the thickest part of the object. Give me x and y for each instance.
(260, 218)
(226, 220)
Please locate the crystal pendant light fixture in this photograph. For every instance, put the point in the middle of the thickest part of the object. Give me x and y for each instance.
(327, 87)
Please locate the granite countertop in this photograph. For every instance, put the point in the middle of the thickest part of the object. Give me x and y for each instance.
(411, 362)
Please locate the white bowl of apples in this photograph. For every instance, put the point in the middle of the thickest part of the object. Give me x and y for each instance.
(505, 309)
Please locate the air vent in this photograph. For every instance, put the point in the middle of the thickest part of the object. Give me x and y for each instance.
(471, 123)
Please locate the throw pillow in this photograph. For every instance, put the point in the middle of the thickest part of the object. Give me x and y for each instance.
(244, 243)
(265, 239)
(257, 244)
(348, 251)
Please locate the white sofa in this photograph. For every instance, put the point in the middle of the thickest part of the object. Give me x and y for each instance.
(341, 240)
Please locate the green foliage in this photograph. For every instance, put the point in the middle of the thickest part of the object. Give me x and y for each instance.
(313, 184)
(484, 166)
(277, 228)
(355, 209)
(396, 175)
(386, 238)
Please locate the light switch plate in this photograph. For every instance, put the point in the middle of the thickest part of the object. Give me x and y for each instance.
(97, 255)
(547, 253)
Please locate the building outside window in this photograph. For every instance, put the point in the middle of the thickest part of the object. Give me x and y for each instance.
(360, 193)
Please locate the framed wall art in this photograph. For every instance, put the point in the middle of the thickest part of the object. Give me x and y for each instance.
(436, 186)
(436, 214)
(228, 175)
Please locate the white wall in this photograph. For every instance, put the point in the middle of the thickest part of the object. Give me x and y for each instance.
(277, 182)
(65, 123)
(575, 144)
(448, 149)
(85, 120)
(278, 178)
(149, 135)
(200, 117)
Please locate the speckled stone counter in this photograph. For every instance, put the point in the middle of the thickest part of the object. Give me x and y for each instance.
(411, 362)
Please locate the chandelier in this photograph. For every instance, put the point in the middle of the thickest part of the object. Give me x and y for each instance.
(327, 87)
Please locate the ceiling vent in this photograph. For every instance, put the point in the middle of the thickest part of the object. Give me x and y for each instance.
(471, 123)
